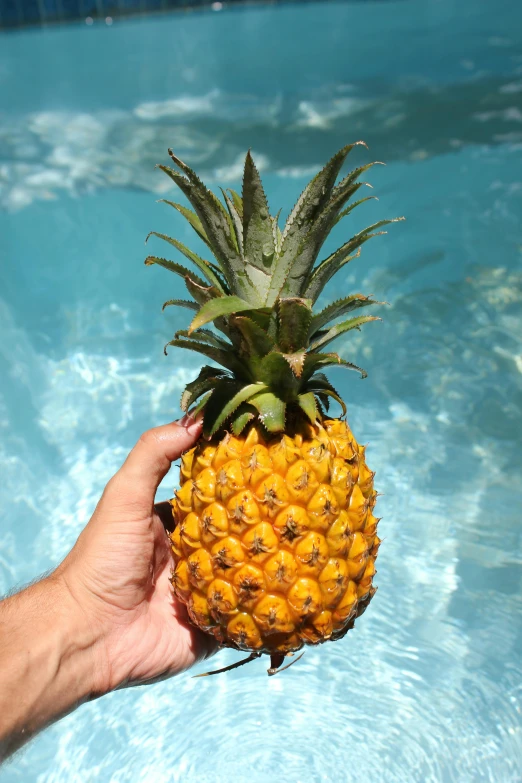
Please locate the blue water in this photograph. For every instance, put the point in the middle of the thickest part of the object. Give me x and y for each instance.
(428, 686)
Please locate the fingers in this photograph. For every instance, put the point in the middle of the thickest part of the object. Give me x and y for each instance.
(151, 458)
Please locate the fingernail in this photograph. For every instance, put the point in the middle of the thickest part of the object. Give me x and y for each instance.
(191, 424)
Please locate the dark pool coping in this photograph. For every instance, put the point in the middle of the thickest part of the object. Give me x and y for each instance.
(19, 14)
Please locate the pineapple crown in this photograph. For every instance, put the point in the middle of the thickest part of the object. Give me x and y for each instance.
(259, 294)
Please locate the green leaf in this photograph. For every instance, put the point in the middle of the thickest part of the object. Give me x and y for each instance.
(347, 211)
(201, 292)
(216, 308)
(178, 269)
(259, 248)
(256, 338)
(345, 184)
(271, 411)
(296, 362)
(202, 265)
(215, 222)
(195, 285)
(309, 205)
(276, 232)
(181, 303)
(314, 361)
(207, 379)
(207, 337)
(241, 417)
(321, 386)
(329, 266)
(338, 308)
(192, 218)
(338, 329)
(275, 371)
(236, 219)
(295, 316)
(308, 404)
(201, 404)
(225, 358)
(308, 251)
(237, 200)
(226, 398)
(324, 402)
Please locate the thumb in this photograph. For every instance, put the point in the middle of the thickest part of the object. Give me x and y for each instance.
(150, 460)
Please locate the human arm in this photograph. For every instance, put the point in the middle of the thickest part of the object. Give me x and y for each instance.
(106, 618)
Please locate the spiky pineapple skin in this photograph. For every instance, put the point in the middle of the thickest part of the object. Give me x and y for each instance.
(275, 539)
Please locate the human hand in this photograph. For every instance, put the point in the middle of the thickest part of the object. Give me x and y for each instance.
(118, 573)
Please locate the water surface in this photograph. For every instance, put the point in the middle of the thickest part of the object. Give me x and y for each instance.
(427, 686)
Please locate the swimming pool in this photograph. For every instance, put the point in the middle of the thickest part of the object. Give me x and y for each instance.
(427, 686)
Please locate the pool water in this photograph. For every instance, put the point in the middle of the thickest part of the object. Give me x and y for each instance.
(428, 685)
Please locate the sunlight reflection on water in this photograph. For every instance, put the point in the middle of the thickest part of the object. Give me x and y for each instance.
(427, 686)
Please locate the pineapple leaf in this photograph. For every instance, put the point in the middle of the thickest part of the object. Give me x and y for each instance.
(347, 211)
(256, 338)
(308, 405)
(314, 361)
(331, 265)
(345, 184)
(204, 294)
(338, 308)
(238, 202)
(309, 205)
(201, 264)
(276, 232)
(296, 362)
(259, 247)
(236, 219)
(241, 417)
(308, 251)
(317, 192)
(216, 308)
(295, 316)
(259, 294)
(181, 303)
(352, 323)
(207, 379)
(321, 386)
(323, 402)
(275, 371)
(178, 269)
(207, 337)
(195, 180)
(271, 411)
(226, 398)
(201, 292)
(215, 222)
(225, 358)
(201, 404)
(192, 218)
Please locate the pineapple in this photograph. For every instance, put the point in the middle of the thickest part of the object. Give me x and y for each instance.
(276, 537)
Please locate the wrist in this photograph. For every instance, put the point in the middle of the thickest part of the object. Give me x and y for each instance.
(81, 643)
(47, 653)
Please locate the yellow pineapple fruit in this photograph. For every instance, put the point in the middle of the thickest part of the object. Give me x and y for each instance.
(275, 539)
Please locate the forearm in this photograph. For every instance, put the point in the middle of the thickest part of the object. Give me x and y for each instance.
(47, 661)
